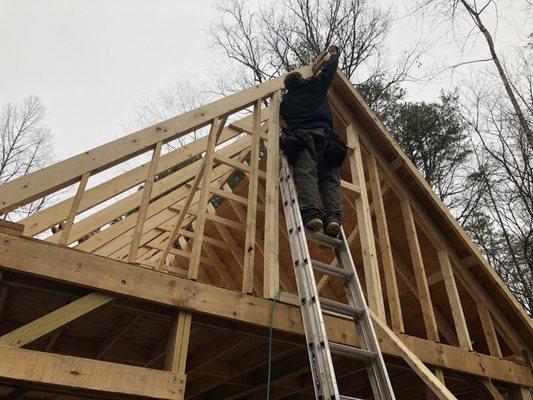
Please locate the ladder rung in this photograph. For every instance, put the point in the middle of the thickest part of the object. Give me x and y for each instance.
(341, 308)
(341, 397)
(328, 269)
(353, 352)
(322, 239)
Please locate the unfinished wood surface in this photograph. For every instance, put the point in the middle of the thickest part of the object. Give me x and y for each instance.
(178, 343)
(272, 214)
(201, 214)
(420, 273)
(213, 136)
(54, 320)
(414, 362)
(143, 208)
(455, 301)
(57, 176)
(30, 256)
(56, 213)
(488, 330)
(391, 284)
(251, 215)
(67, 226)
(38, 368)
(366, 235)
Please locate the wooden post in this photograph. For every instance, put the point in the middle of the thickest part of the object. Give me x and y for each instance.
(196, 251)
(271, 249)
(455, 302)
(178, 343)
(488, 330)
(420, 273)
(366, 235)
(251, 216)
(393, 296)
(143, 208)
(216, 129)
(63, 240)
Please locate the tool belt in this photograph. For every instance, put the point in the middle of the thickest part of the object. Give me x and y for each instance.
(335, 150)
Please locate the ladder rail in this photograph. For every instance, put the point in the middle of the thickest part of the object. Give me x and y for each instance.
(379, 379)
(321, 361)
(318, 348)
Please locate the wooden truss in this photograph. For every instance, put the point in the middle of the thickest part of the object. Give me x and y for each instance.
(141, 291)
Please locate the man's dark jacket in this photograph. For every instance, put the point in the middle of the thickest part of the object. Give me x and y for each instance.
(306, 106)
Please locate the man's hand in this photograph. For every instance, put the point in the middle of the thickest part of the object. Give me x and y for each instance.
(333, 49)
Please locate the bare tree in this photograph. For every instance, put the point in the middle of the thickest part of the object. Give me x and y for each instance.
(504, 219)
(26, 143)
(449, 10)
(176, 98)
(282, 35)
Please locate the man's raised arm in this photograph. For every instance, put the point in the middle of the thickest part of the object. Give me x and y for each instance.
(328, 72)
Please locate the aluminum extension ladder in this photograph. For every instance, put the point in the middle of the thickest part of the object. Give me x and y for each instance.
(319, 349)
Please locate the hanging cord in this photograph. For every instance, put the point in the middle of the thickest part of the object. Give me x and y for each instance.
(271, 323)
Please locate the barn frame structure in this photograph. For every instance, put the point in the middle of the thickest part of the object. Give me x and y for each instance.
(167, 291)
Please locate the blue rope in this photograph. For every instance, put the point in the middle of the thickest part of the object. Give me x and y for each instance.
(276, 298)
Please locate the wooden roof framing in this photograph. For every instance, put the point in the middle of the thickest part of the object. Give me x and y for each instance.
(216, 221)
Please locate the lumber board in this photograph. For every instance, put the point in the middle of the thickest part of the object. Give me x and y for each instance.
(272, 213)
(67, 226)
(35, 257)
(56, 213)
(54, 320)
(57, 176)
(251, 209)
(366, 235)
(382, 144)
(391, 284)
(420, 273)
(61, 371)
(145, 199)
(11, 228)
(437, 387)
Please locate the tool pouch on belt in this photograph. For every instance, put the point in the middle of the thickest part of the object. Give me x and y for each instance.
(291, 144)
(335, 150)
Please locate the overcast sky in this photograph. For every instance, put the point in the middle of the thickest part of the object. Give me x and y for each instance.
(91, 61)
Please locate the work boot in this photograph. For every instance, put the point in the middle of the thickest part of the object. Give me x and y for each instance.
(333, 228)
(315, 225)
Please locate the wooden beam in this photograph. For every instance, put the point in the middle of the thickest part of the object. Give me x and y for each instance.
(251, 216)
(366, 236)
(118, 380)
(178, 343)
(414, 362)
(455, 301)
(393, 296)
(54, 320)
(11, 228)
(216, 128)
(143, 208)
(49, 261)
(488, 330)
(272, 213)
(65, 232)
(56, 213)
(57, 176)
(420, 273)
(201, 214)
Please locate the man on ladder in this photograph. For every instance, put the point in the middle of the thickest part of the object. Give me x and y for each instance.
(316, 157)
(312, 150)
